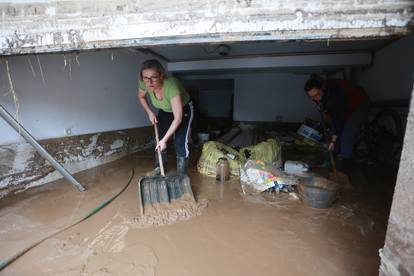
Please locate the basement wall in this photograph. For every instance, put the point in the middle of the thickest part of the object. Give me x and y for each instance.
(392, 75)
(216, 103)
(22, 167)
(397, 256)
(277, 97)
(391, 78)
(73, 94)
(267, 97)
(82, 107)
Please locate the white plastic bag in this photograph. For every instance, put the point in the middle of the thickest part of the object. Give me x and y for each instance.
(258, 176)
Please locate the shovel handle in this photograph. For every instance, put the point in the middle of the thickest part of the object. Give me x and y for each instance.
(331, 157)
(157, 140)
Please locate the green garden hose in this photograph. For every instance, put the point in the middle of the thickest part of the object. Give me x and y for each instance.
(5, 263)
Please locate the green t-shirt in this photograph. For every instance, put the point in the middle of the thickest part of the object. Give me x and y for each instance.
(172, 87)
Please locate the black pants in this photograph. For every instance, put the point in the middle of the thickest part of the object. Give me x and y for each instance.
(182, 133)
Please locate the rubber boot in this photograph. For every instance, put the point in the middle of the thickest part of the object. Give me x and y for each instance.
(182, 165)
(157, 169)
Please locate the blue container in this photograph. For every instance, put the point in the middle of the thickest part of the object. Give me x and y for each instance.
(310, 133)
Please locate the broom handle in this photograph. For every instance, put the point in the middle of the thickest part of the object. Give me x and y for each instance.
(331, 157)
(157, 139)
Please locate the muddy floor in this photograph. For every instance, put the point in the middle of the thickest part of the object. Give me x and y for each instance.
(233, 235)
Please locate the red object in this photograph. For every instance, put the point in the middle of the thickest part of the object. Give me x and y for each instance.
(355, 95)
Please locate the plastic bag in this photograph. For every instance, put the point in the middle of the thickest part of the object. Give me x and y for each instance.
(258, 176)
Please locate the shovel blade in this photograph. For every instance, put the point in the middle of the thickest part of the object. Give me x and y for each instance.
(163, 189)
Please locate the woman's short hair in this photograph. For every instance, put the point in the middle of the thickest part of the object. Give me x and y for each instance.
(152, 64)
(314, 81)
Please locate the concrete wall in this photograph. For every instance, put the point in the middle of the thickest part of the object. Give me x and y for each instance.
(22, 167)
(94, 92)
(43, 26)
(272, 97)
(216, 103)
(391, 78)
(267, 97)
(392, 75)
(82, 107)
(397, 256)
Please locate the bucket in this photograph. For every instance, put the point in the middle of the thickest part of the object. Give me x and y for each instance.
(203, 137)
(318, 192)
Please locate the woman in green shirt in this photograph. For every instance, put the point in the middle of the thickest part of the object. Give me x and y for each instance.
(175, 110)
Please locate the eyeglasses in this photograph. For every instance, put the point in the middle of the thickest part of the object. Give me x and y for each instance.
(151, 79)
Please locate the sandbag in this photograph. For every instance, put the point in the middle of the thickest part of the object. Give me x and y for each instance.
(269, 151)
(211, 153)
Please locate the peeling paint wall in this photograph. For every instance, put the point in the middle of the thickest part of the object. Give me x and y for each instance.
(47, 26)
(397, 256)
(22, 167)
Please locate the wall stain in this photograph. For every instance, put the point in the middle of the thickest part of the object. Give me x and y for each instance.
(22, 167)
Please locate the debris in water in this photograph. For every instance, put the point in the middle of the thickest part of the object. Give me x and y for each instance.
(168, 213)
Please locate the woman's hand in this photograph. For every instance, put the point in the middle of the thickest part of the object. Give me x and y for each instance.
(161, 146)
(153, 119)
(331, 146)
(143, 100)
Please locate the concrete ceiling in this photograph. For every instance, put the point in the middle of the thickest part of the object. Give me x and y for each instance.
(40, 26)
(297, 56)
(195, 52)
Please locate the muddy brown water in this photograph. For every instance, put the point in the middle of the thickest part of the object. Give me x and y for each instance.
(234, 235)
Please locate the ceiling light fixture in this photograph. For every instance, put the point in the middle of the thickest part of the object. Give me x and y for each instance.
(223, 50)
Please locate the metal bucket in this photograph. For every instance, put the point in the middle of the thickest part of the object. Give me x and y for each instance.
(318, 192)
(203, 137)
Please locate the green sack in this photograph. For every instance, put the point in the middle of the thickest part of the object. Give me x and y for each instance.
(211, 153)
(269, 151)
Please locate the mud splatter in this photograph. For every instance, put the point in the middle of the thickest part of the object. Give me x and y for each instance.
(164, 214)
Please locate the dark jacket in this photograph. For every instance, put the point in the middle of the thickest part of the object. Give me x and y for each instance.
(340, 99)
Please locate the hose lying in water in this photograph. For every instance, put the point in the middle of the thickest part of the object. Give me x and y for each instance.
(5, 263)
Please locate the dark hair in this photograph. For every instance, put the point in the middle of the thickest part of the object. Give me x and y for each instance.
(152, 64)
(314, 81)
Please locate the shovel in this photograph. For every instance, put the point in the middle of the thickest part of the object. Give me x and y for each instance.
(331, 157)
(156, 190)
(335, 175)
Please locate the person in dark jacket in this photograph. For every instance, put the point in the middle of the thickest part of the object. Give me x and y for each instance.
(347, 105)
